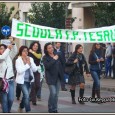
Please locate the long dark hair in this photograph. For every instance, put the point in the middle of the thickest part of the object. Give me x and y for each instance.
(77, 47)
(39, 46)
(45, 48)
(94, 48)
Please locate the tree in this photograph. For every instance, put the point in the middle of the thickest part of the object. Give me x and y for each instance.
(104, 13)
(5, 16)
(40, 14)
(48, 14)
(58, 15)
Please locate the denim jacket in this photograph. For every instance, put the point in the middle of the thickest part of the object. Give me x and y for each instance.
(94, 65)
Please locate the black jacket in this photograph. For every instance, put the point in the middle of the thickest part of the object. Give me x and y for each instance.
(81, 65)
(53, 69)
(62, 56)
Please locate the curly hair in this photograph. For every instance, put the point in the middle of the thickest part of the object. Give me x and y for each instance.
(77, 47)
(45, 48)
(39, 46)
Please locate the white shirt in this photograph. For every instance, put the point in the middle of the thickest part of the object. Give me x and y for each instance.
(6, 62)
(108, 51)
(21, 68)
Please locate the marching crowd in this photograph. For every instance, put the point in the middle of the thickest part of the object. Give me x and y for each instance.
(28, 67)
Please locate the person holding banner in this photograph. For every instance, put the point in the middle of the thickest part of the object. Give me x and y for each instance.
(76, 77)
(53, 74)
(96, 61)
(7, 53)
(35, 53)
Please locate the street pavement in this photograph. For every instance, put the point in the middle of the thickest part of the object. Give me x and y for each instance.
(65, 105)
(105, 84)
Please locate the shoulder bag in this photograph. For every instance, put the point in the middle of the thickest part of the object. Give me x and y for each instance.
(69, 68)
(4, 85)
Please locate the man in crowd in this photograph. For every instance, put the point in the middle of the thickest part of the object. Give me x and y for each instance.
(58, 49)
(108, 59)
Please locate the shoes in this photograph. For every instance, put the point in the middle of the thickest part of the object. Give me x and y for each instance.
(64, 89)
(53, 111)
(20, 110)
(73, 101)
(34, 103)
(50, 111)
(81, 102)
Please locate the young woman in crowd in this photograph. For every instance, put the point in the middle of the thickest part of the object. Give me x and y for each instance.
(77, 76)
(95, 61)
(25, 67)
(7, 53)
(35, 53)
(53, 75)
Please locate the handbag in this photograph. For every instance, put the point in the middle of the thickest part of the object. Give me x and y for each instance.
(4, 85)
(30, 76)
(69, 68)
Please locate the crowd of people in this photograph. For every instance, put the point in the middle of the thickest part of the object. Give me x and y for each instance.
(28, 67)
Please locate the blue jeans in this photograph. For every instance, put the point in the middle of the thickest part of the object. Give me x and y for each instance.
(96, 79)
(108, 66)
(39, 89)
(25, 102)
(8, 98)
(53, 97)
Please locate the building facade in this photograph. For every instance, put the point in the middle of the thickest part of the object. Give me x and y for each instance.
(14, 14)
(84, 20)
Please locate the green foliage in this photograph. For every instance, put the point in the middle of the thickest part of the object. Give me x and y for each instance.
(104, 13)
(40, 14)
(58, 15)
(5, 16)
(48, 14)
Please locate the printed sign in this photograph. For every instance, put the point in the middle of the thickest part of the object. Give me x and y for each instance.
(29, 31)
(6, 42)
(6, 30)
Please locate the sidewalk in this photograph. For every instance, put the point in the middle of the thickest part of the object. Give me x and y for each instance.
(106, 84)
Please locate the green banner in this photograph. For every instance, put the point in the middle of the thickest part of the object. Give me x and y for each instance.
(29, 31)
